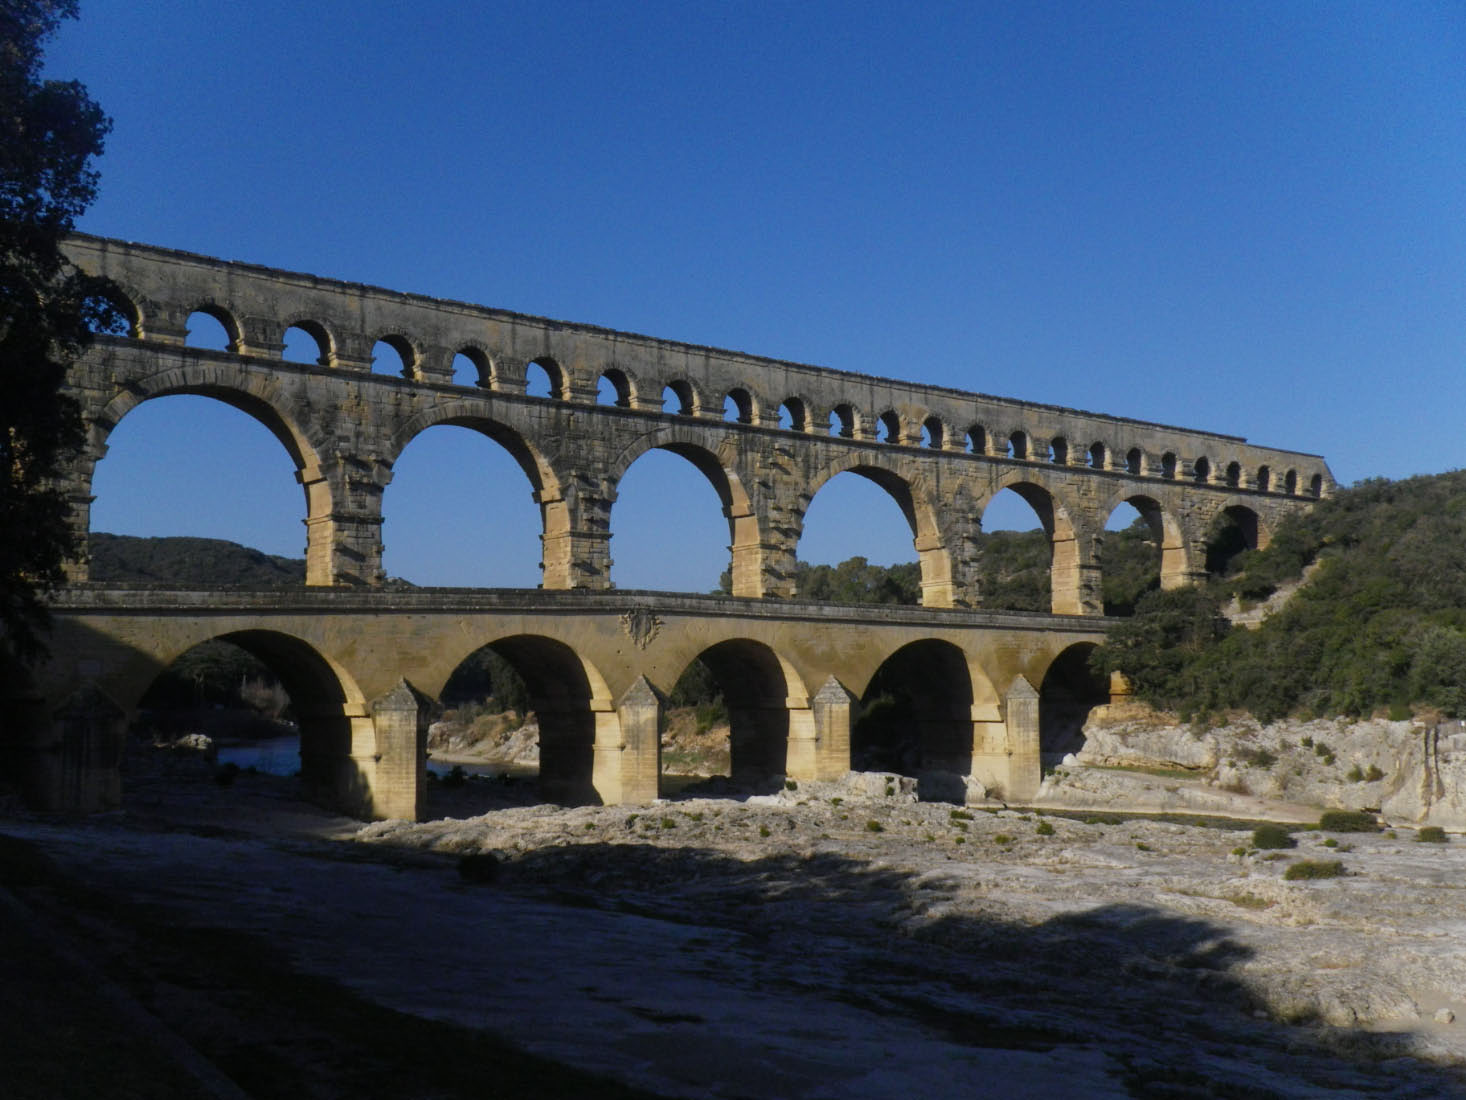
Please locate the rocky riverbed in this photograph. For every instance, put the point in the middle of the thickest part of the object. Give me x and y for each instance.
(837, 939)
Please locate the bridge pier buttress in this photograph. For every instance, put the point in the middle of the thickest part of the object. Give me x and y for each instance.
(627, 762)
(1005, 756)
(398, 781)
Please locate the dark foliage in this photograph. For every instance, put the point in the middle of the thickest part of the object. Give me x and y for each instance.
(185, 560)
(50, 132)
(1380, 626)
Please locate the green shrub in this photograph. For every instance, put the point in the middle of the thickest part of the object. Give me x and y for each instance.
(1373, 775)
(1258, 758)
(763, 830)
(1355, 775)
(1002, 838)
(668, 823)
(1044, 829)
(960, 815)
(1314, 868)
(1330, 842)
(790, 785)
(1272, 836)
(874, 827)
(1430, 834)
(1142, 846)
(1348, 821)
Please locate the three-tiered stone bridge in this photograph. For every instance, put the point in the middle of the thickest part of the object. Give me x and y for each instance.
(363, 663)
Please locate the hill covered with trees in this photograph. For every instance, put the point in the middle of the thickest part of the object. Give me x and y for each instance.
(188, 560)
(1379, 626)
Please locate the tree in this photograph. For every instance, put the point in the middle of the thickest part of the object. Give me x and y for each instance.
(50, 133)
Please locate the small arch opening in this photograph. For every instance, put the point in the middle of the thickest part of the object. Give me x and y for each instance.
(792, 415)
(888, 427)
(1168, 466)
(1290, 483)
(1134, 461)
(678, 398)
(392, 355)
(106, 311)
(1315, 486)
(738, 406)
(307, 342)
(471, 368)
(614, 388)
(1264, 479)
(933, 433)
(1059, 451)
(1201, 470)
(977, 440)
(210, 330)
(1234, 475)
(544, 378)
(842, 421)
(1018, 445)
(1099, 458)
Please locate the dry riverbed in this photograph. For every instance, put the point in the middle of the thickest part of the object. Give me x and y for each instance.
(834, 940)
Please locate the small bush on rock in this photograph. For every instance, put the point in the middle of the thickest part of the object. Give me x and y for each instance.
(1044, 829)
(1314, 868)
(1431, 834)
(1348, 821)
(1272, 836)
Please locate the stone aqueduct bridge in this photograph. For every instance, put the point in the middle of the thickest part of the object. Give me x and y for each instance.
(362, 661)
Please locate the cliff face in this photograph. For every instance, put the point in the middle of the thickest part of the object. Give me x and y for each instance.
(1409, 771)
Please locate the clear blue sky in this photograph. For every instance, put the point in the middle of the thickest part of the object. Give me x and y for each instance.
(1245, 217)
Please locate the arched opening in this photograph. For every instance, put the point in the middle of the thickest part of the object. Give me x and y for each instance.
(1234, 475)
(792, 415)
(1230, 536)
(471, 368)
(1098, 456)
(1290, 483)
(211, 329)
(679, 399)
(1201, 470)
(916, 717)
(1130, 561)
(1018, 445)
(1168, 466)
(307, 342)
(933, 433)
(393, 355)
(888, 427)
(460, 510)
(204, 492)
(1264, 479)
(521, 708)
(1134, 461)
(857, 543)
(269, 703)
(110, 314)
(843, 421)
(614, 388)
(544, 378)
(1015, 551)
(1070, 691)
(669, 532)
(727, 723)
(738, 406)
(977, 440)
(1059, 451)
(1315, 486)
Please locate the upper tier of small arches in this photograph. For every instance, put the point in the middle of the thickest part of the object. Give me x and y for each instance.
(445, 344)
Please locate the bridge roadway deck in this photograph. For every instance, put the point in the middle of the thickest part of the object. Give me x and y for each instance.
(363, 668)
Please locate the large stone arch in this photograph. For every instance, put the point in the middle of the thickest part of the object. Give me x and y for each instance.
(573, 706)
(1073, 570)
(719, 467)
(907, 486)
(1177, 566)
(558, 557)
(258, 397)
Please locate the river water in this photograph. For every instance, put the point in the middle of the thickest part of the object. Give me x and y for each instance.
(281, 756)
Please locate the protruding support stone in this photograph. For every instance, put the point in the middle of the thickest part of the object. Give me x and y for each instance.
(399, 785)
(831, 710)
(1005, 744)
(628, 750)
(1121, 689)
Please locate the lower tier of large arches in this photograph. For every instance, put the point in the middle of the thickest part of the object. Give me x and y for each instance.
(810, 692)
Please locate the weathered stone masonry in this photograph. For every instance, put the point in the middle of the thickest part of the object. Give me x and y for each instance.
(363, 664)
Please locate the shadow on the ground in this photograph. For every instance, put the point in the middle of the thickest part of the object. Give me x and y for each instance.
(1161, 993)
